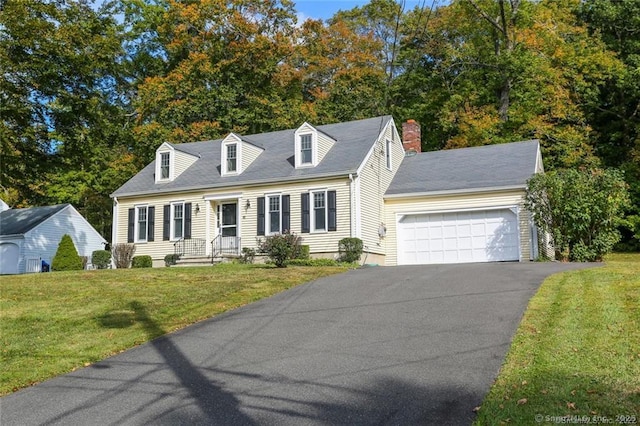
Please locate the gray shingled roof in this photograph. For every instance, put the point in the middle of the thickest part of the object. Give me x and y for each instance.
(491, 166)
(275, 164)
(21, 221)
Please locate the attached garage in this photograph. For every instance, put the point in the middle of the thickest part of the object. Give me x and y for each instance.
(458, 237)
(462, 205)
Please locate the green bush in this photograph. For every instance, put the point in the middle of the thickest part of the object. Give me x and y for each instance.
(101, 259)
(66, 258)
(248, 255)
(171, 259)
(142, 262)
(280, 248)
(350, 249)
(304, 252)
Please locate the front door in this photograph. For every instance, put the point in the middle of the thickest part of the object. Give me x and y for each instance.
(228, 219)
(228, 241)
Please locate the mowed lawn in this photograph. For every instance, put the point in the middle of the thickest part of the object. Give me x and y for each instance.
(575, 358)
(56, 322)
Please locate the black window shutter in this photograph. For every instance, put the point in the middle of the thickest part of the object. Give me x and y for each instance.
(286, 214)
(260, 215)
(306, 223)
(333, 219)
(131, 229)
(151, 222)
(187, 221)
(166, 223)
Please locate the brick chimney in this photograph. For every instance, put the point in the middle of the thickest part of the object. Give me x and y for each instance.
(411, 136)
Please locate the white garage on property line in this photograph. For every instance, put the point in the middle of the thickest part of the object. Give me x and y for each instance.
(462, 206)
(30, 236)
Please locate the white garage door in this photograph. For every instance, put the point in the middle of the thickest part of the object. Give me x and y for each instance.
(458, 237)
(9, 254)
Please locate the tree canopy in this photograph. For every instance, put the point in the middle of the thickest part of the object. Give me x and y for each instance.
(89, 92)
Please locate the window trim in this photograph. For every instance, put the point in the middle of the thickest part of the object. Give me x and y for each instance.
(298, 148)
(312, 211)
(267, 213)
(227, 159)
(136, 223)
(172, 227)
(231, 139)
(168, 151)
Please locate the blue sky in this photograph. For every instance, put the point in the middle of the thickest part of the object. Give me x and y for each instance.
(325, 9)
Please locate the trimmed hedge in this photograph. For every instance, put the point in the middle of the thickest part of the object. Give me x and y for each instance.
(350, 249)
(171, 259)
(66, 258)
(142, 262)
(101, 259)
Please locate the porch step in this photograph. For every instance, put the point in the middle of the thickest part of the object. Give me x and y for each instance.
(186, 261)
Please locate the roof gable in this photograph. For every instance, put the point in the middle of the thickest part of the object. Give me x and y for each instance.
(21, 221)
(476, 168)
(353, 140)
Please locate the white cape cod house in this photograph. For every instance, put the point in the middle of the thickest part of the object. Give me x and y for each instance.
(324, 183)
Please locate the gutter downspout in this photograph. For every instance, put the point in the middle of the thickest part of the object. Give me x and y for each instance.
(352, 192)
(114, 222)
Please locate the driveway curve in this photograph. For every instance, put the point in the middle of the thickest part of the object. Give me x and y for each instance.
(378, 345)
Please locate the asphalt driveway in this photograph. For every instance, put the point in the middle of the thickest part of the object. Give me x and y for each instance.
(380, 345)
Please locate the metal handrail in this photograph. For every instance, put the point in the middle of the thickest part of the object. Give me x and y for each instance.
(190, 247)
(225, 245)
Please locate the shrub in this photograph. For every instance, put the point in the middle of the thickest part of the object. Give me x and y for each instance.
(171, 259)
(304, 252)
(66, 258)
(248, 255)
(313, 262)
(580, 209)
(142, 262)
(280, 248)
(122, 255)
(101, 259)
(350, 249)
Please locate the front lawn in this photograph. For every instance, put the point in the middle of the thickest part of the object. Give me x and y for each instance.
(56, 322)
(576, 355)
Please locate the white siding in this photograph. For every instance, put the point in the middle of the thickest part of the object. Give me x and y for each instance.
(249, 154)
(182, 161)
(375, 178)
(395, 207)
(326, 242)
(159, 248)
(42, 241)
(325, 143)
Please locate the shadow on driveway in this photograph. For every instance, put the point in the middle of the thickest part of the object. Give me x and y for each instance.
(404, 345)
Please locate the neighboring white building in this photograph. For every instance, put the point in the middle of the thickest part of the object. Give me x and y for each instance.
(30, 236)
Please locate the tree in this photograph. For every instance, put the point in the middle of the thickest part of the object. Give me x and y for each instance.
(614, 114)
(66, 258)
(580, 209)
(63, 119)
(495, 72)
(220, 61)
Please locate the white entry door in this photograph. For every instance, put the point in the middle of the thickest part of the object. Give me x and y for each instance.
(458, 237)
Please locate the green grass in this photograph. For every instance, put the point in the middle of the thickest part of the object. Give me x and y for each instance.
(576, 352)
(57, 322)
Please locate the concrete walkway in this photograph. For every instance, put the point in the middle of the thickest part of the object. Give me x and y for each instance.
(380, 345)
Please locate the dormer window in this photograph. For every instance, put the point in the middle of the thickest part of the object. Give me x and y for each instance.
(164, 165)
(232, 157)
(306, 149)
